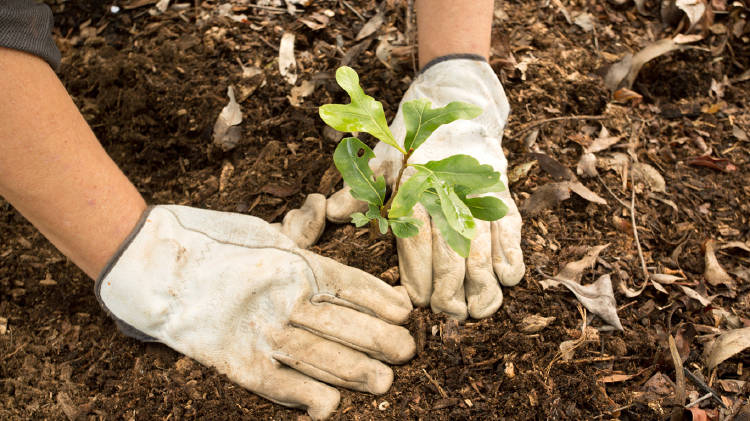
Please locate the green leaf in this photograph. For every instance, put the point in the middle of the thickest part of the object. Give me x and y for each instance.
(351, 158)
(408, 194)
(463, 170)
(460, 244)
(359, 219)
(373, 212)
(486, 208)
(363, 114)
(405, 227)
(421, 120)
(456, 213)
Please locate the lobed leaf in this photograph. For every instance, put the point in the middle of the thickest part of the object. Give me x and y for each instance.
(359, 219)
(456, 213)
(351, 158)
(463, 170)
(373, 213)
(486, 208)
(408, 194)
(460, 244)
(404, 227)
(421, 120)
(363, 114)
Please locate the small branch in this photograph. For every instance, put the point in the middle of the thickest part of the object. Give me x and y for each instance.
(631, 208)
(436, 384)
(703, 386)
(384, 210)
(349, 6)
(678, 373)
(562, 118)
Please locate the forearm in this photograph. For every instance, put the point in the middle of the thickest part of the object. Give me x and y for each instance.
(53, 169)
(453, 27)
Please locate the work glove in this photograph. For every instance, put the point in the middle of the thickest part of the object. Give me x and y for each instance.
(430, 270)
(234, 293)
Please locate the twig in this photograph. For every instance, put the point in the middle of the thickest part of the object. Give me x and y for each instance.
(410, 33)
(562, 118)
(271, 8)
(436, 384)
(635, 228)
(703, 386)
(349, 6)
(699, 400)
(631, 209)
(602, 415)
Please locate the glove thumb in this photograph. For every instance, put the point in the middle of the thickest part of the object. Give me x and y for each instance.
(342, 204)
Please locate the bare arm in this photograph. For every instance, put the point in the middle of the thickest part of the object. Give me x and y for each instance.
(53, 169)
(453, 27)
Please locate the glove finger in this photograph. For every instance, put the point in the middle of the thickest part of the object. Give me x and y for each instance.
(507, 257)
(448, 270)
(305, 225)
(414, 260)
(289, 388)
(350, 287)
(483, 294)
(331, 362)
(342, 204)
(357, 330)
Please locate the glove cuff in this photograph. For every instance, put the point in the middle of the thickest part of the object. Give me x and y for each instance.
(464, 56)
(123, 326)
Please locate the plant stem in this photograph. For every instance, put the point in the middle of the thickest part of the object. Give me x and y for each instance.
(385, 208)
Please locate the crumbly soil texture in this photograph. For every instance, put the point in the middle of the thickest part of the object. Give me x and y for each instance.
(151, 86)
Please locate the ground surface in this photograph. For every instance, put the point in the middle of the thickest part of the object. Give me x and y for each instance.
(152, 86)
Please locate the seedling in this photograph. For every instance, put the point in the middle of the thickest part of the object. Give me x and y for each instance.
(448, 188)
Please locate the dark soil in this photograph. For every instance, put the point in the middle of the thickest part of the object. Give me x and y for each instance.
(151, 88)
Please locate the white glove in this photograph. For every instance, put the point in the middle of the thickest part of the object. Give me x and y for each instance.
(232, 292)
(430, 270)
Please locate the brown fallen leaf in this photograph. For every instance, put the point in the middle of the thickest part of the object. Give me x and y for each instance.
(553, 167)
(624, 72)
(534, 323)
(287, 62)
(227, 132)
(624, 95)
(371, 26)
(549, 195)
(650, 176)
(719, 164)
(696, 295)
(279, 190)
(727, 345)
(714, 273)
(597, 297)
(616, 378)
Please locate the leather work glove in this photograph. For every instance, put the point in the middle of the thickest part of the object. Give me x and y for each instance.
(430, 270)
(232, 292)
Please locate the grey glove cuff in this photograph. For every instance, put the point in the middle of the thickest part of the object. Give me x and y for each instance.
(27, 26)
(124, 327)
(447, 57)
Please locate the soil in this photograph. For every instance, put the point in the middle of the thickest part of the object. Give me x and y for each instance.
(152, 86)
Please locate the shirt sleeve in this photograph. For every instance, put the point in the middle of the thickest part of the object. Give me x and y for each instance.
(26, 25)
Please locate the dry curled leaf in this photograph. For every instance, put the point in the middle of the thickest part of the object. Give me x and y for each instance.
(287, 63)
(227, 131)
(720, 164)
(371, 26)
(535, 323)
(550, 194)
(624, 72)
(650, 176)
(714, 273)
(696, 295)
(727, 345)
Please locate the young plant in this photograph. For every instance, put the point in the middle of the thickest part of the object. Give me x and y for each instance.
(448, 188)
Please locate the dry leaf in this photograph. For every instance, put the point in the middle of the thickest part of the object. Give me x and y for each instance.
(299, 92)
(227, 131)
(714, 273)
(534, 323)
(736, 244)
(726, 345)
(553, 167)
(598, 297)
(545, 197)
(603, 142)
(732, 385)
(371, 26)
(624, 95)
(667, 279)
(694, 9)
(587, 165)
(520, 171)
(615, 378)
(585, 193)
(739, 134)
(650, 176)
(585, 21)
(287, 63)
(696, 296)
(721, 164)
(624, 72)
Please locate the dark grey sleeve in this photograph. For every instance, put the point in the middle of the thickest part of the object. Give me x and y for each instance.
(26, 25)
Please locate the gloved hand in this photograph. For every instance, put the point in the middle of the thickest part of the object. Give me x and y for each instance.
(232, 292)
(430, 270)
